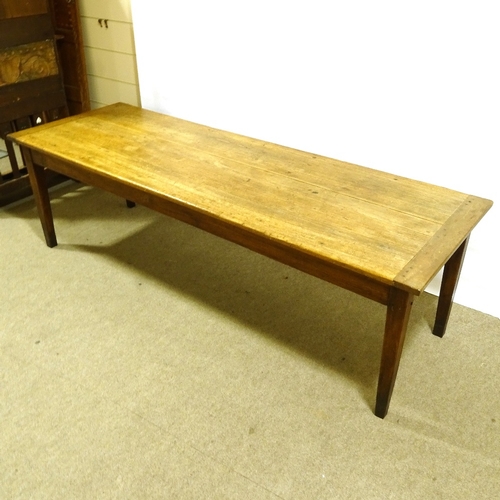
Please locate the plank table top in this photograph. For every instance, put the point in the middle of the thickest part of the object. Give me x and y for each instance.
(380, 235)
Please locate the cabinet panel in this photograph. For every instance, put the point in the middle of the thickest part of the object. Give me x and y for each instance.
(16, 8)
(66, 16)
(31, 85)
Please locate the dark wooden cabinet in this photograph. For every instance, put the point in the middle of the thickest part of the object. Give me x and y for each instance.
(42, 76)
(19, 8)
(67, 27)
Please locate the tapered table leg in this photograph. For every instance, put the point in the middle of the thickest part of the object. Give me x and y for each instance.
(398, 313)
(449, 283)
(42, 200)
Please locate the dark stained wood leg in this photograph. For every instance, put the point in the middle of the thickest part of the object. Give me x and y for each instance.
(398, 314)
(130, 204)
(13, 159)
(449, 283)
(41, 194)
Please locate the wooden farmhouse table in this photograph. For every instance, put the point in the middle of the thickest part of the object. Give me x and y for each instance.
(379, 235)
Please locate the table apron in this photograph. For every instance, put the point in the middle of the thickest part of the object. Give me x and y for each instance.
(356, 282)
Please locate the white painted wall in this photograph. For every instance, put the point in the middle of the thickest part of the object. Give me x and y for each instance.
(109, 52)
(407, 87)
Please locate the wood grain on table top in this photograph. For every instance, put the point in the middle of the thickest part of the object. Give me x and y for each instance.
(380, 225)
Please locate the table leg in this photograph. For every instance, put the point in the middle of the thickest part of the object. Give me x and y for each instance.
(42, 200)
(449, 283)
(398, 313)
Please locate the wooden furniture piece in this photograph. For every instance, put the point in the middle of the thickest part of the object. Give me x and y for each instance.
(31, 89)
(34, 86)
(69, 36)
(377, 234)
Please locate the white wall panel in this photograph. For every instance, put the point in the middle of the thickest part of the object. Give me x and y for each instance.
(118, 10)
(112, 65)
(110, 51)
(118, 37)
(104, 91)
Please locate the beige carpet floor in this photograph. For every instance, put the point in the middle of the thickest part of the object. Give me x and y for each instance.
(145, 359)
